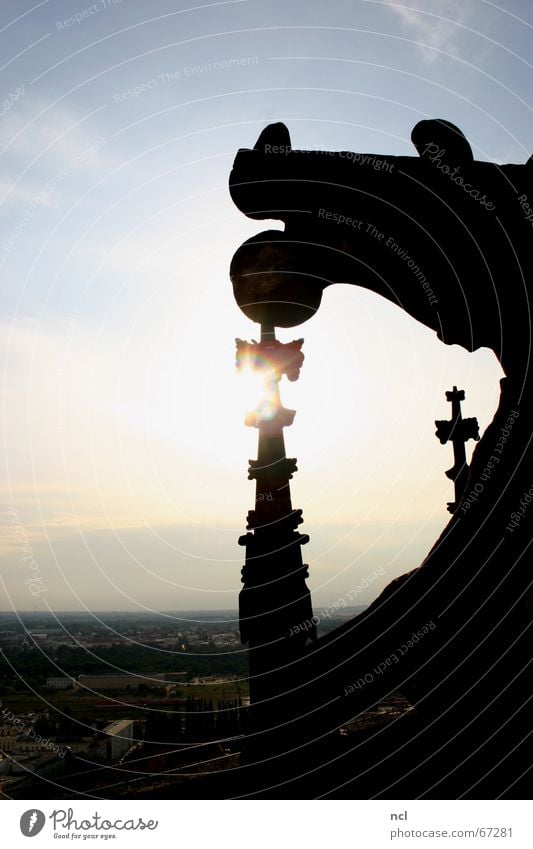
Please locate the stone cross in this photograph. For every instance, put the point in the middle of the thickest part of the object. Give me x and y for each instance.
(457, 431)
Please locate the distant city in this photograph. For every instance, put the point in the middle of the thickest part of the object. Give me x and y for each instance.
(122, 700)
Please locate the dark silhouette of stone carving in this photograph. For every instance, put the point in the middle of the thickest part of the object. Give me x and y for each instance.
(448, 239)
(274, 600)
(457, 431)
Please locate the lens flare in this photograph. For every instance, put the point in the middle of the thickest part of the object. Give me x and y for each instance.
(270, 360)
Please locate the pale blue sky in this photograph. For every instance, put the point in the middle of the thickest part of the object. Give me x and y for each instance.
(124, 454)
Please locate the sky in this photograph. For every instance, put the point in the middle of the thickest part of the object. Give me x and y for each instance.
(124, 451)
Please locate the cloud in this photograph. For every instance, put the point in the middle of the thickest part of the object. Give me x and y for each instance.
(437, 26)
(42, 147)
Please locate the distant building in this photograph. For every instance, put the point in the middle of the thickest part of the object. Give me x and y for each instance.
(129, 680)
(19, 744)
(59, 683)
(117, 741)
(29, 765)
(214, 679)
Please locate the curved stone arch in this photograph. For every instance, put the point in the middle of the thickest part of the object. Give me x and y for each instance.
(470, 223)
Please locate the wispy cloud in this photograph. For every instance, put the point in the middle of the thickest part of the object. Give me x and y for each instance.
(436, 24)
(40, 145)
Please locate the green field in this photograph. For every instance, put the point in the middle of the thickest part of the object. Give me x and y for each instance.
(83, 707)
